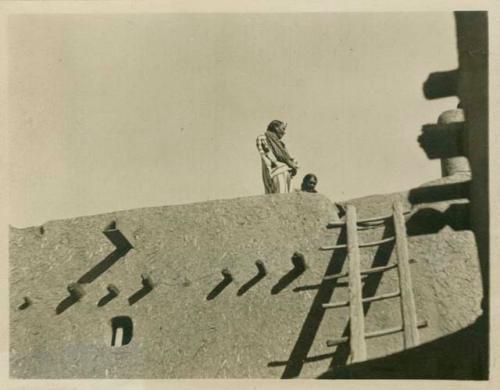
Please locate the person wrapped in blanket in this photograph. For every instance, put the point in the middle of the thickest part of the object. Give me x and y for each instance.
(278, 167)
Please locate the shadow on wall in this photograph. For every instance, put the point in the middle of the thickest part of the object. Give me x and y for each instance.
(76, 292)
(313, 319)
(122, 247)
(455, 356)
(298, 269)
(439, 193)
(227, 278)
(261, 273)
(430, 221)
(65, 304)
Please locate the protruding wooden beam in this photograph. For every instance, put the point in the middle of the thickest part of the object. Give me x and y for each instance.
(113, 290)
(146, 280)
(261, 267)
(26, 303)
(76, 290)
(227, 274)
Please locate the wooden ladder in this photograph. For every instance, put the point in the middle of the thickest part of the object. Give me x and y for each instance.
(358, 336)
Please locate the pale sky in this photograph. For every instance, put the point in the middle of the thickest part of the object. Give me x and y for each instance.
(113, 112)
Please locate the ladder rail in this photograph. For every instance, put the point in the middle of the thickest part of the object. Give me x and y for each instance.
(410, 325)
(356, 314)
(408, 309)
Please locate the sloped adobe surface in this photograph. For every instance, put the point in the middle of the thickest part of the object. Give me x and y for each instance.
(193, 324)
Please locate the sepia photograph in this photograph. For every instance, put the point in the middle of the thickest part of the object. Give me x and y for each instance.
(248, 195)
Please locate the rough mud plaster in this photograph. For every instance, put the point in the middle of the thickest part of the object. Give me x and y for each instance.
(242, 332)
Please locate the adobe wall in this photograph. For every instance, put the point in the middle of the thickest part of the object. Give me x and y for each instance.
(194, 325)
(467, 137)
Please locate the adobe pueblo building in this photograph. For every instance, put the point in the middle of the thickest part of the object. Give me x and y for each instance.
(275, 286)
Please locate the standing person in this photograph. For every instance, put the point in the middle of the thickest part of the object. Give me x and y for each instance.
(278, 167)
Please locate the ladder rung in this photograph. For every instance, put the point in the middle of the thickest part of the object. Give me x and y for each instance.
(373, 219)
(382, 297)
(369, 226)
(364, 225)
(364, 300)
(362, 221)
(379, 242)
(383, 268)
(327, 248)
(363, 272)
(383, 332)
(336, 276)
(362, 245)
(334, 305)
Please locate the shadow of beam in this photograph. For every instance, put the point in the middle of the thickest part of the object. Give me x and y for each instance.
(440, 193)
(122, 245)
(103, 265)
(299, 266)
(429, 221)
(441, 84)
(219, 288)
(442, 141)
(65, 304)
(248, 285)
(106, 299)
(285, 280)
(138, 295)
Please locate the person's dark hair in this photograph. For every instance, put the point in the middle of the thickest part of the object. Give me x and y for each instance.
(306, 179)
(274, 125)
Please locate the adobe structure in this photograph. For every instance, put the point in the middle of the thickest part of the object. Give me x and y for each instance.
(268, 286)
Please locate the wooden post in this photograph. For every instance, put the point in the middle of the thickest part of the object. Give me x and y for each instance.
(356, 314)
(408, 310)
(147, 282)
(118, 340)
(76, 291)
